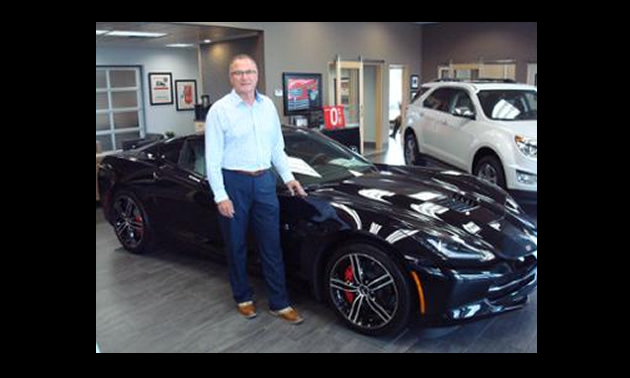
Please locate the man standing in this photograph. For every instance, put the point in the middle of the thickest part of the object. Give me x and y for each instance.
(243, 138)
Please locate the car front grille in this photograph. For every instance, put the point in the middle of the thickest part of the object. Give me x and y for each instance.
(523, 273)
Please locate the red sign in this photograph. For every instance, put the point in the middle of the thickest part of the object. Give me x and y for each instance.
(333, 117)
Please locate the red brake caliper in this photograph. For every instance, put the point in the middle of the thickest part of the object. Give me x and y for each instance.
(349, 277)
(139, 220)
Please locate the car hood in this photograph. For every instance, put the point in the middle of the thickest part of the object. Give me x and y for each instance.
(448, 205)
(523, 128)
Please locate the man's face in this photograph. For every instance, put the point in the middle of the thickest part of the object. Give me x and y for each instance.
(244, 76)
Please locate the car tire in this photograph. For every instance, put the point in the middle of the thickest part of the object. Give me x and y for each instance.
(131, 223)
(375, 301)
(412, 153)
(490, 169)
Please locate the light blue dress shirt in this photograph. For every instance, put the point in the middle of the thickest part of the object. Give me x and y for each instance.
(243, 137)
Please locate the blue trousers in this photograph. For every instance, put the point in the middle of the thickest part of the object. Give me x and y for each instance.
(255, 202)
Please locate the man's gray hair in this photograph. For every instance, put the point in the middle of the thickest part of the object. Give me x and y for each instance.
(241, 57)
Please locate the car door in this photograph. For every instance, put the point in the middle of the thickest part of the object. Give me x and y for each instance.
(456, 135)
(433, 122)
(185, 199)
(165, 162)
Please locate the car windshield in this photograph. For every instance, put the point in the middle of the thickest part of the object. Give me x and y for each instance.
(315, 159)
(509, 105)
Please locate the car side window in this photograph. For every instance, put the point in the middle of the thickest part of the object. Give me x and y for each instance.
(170, 150)
(192, 157)
(438, 100)
(461, 100)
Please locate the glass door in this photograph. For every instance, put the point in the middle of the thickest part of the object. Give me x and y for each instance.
(347, 89)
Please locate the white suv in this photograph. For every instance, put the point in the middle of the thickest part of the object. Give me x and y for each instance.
(486, 128)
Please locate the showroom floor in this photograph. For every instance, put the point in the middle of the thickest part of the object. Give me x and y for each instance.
(179, 301)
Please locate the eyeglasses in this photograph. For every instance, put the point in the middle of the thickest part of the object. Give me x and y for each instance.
(241, 73)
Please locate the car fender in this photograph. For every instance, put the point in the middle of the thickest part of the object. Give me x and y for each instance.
(500, 141)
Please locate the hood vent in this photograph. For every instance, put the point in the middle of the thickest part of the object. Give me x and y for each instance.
(459, 203)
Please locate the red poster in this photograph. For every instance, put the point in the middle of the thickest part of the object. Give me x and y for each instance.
(333, 117)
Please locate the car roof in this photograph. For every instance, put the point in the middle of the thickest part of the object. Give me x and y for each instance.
(476, 86)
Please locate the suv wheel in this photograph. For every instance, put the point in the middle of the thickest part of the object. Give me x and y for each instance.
(490, 169)
(411, 149)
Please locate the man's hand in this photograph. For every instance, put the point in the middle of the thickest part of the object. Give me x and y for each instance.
(296, 188)
(226, 208)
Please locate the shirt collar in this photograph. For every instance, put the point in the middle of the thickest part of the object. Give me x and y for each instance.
(236, 99)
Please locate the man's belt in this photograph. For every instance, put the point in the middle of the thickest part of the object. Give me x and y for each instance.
(250, 173)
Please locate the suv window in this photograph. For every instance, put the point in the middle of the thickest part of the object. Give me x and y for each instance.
(419, 93)
(508, 105)
(461, 99)
(438, 99)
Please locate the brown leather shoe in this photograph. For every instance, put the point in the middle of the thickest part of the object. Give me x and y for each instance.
(288, 314)
(247, 309)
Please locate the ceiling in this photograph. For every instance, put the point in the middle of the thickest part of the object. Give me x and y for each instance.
(176, 33)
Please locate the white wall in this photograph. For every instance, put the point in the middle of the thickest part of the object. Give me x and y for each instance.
(182, 63)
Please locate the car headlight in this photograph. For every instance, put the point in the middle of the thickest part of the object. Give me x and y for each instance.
(454, 250)
(528, 146)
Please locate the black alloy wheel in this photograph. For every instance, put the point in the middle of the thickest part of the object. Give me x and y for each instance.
(368, 290)
(131, 223)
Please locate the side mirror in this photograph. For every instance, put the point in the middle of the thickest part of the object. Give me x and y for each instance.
(465, 112)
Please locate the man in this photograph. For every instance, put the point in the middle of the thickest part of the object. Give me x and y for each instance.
(243, 139)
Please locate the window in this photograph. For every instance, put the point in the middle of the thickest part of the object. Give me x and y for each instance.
(439, 99)
(171, 150)
(119, 111)
(461, 101)
(500, 69)
(192, 156)
(508, 105)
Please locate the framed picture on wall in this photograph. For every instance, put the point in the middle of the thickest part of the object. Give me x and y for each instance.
(415, 81)
(161, 88)
(186, 94)
(302, 93)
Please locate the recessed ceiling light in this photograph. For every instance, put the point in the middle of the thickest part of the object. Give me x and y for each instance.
(180, 45)
(122, 33)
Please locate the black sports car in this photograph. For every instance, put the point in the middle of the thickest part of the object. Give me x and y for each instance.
(382, 244)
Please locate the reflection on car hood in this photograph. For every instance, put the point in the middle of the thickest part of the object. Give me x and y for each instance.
(447, 204)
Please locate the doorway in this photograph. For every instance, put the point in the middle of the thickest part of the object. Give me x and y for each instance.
(360, 91)
(396, 95)
(346, 89)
